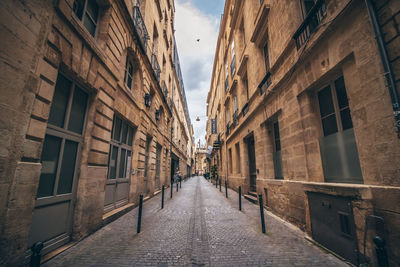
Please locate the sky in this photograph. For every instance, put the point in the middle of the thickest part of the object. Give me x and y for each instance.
(197, 19)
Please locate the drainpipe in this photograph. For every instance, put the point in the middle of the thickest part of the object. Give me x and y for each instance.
(386, 64)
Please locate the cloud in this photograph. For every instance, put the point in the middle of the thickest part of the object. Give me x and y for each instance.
(196, 58)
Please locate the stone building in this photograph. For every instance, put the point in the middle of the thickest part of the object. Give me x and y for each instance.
(303, 107)
(201, 159)
(94, 114)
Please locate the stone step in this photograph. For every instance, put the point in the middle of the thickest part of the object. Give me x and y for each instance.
(251, 198)
(254, 194)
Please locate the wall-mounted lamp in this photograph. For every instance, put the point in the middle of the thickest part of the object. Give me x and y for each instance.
(157, 115)
(147, 100)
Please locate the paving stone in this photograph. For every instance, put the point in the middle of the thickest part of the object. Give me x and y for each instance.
(197, 227)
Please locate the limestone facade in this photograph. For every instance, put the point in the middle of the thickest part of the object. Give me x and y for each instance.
(94, 114)
(300, 111)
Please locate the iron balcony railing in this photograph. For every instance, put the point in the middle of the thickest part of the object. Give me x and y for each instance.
(235, 118)
(140, 26)
(226, 83)
(265, 83)
(155, 66)
(228, 128)
(310, 23)
(164, 89)
(233, 66)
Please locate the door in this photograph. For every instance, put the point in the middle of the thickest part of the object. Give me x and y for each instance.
(146, 165)
(332, 224)
(52, 216)
(119, 165)
(252, 163)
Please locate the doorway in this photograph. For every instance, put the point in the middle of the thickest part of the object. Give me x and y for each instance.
(119, 165)
(52, 217)
(252, 163)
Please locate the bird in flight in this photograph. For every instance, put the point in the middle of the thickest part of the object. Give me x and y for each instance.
(198, 40)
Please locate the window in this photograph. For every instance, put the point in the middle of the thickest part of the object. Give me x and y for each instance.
(277, 157)
(242, 31)
(235, 105)
(334, 108)
(230, 161)
(337, 145)
(228, 116)
(128, 73)
(233, 63)
(266, 57)
(237, 158)
(147, 156)
(120, 149)
(87, 11)
(246, 86)
(63, 137)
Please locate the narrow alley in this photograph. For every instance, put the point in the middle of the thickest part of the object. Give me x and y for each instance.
(197, 227)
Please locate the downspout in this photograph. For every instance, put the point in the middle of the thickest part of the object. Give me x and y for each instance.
(386, 64)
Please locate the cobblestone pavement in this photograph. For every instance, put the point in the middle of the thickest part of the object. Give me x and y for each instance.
(197, 227)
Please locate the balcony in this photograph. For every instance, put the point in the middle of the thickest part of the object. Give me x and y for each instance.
(265, 83)
(233, 66)
(228, 128)
(310, 23)
(140, 27)
(155, 66)
(235, 118)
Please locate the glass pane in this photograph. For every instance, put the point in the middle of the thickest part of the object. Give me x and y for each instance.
(49, 160)
(340, 158)
(117, 129)
(277, 145)
(93, 9)
(346, 119)
(276, 130)
(130, 136)
(60, 101)
(124, 132)
(67, 168)
(122, 164)
(78, 8)
(341, 93)
(325, 102)
(112, 165)
(78, 110)
(128, 164)
(129, 82)
(278, 165)
(329, 125)
(89, 25)
(308, 5)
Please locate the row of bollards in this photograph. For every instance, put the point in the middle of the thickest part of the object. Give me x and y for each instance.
(178, 185)
(260, 201)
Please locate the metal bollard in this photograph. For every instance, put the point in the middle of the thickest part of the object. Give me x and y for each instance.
(216, 183)
(172, 187)
(162, 196)
(220, 189)
(180, 184)
(140, 213)
(240, 198)
(35, 257)
(381, 251)
(177, 187)
(226, 188)
(260, 200)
